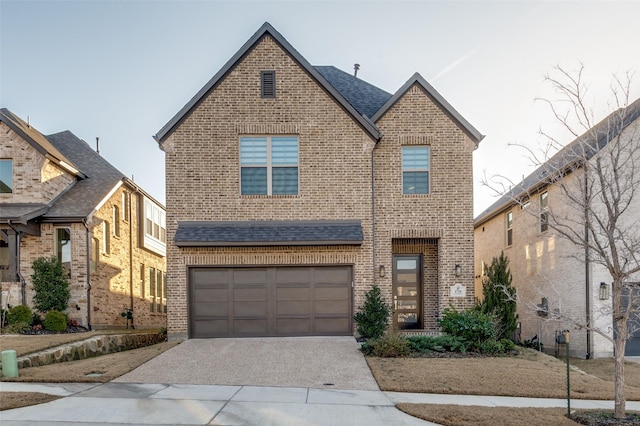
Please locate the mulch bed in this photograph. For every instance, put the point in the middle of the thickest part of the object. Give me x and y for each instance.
(599, 418)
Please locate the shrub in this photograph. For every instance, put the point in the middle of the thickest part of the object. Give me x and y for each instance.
(426, 344)
(372, 318)
(500, 296)
(391, 345)
(50, 284)
(55, 321)
(470, 325)
(20, 314)
(496, 347)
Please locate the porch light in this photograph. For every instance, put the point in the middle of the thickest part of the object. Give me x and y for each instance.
(381, 271)
(604, 291)
(458, 270)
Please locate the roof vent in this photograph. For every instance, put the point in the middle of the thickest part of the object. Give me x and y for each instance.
(356, 67)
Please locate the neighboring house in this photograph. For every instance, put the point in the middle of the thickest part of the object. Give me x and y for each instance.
(58, 197)
(293, 189)
(553, 276)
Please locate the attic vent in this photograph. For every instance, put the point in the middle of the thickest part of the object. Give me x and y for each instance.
(268, 84)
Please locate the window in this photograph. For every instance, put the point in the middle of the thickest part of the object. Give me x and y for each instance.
(509, 228)
(269, 165)
(155, 227)
(415, 169)
(6, 176)
(142, 282)
(159, 293)
(95, 254)
(152, 289)
(544, 212)
(268, 84)
(116, 221)
(106, 237)
(63, 248)
(164, 291)
(5, 260)
(125, 206)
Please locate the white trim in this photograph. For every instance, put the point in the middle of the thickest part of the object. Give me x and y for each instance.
(106, 198)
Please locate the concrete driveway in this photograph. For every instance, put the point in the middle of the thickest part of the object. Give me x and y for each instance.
(302, 362)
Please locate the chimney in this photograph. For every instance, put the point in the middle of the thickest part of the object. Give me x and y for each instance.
(356, 67)
(98, 145)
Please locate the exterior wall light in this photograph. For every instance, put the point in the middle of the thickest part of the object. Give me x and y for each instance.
(458, 270)
(604, 291)
(381, 271)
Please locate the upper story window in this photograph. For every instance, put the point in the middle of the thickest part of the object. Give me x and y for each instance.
(6, 176)
(106, 237)
(269, 165)
(95, 254)
(544, 212)
(268, 84)
(63, 248)
(125, 207)
(509, 228)
(415, 169)
(116, 221)
(154, 236)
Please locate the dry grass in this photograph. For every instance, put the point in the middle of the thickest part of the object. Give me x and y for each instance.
(11, 400)
(455, 415)
(531, 374)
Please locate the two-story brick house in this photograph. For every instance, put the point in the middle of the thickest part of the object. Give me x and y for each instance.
(292, 189)
(561, 285)
(59, 197)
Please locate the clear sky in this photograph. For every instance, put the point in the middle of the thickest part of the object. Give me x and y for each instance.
(119, 70)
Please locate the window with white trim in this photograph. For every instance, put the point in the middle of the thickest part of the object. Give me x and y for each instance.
(125, 206)
(269, 165)
(116, 221)
(544, 212)
(509, 228)
(106, 237)
(63, 248)
(416, 169)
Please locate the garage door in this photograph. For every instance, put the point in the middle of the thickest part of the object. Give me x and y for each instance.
(270, 301)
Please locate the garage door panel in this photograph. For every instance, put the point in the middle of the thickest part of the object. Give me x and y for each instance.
(272, 301)
(300, 307)
(331, 307)
(250, 294)
(250, 327)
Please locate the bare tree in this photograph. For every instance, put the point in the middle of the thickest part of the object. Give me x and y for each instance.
(598, 176)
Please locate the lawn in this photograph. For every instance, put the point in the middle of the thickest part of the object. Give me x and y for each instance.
(528, 374)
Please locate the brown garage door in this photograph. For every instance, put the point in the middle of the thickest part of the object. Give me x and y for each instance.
(270, 301)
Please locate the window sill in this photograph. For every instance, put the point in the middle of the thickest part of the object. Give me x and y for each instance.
(271, 196)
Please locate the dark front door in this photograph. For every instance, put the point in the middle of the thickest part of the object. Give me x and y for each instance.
(407, 291)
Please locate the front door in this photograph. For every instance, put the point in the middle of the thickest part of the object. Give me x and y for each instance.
(407, 291)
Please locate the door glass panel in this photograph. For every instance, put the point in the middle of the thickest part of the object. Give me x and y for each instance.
(406, 264)
(406, 320)
(407, 291)
(407, 304)
(406, 278)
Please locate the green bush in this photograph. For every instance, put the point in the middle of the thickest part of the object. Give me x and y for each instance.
(55, 321)
(496, 347)
(445, 343)
(390, 345)
(500, 296)
(372, 318)
(470, 325)
(50, 284)
(20, 314)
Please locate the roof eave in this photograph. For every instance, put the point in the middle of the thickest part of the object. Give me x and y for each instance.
(267, 243)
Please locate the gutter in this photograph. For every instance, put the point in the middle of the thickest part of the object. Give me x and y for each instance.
(23, 282)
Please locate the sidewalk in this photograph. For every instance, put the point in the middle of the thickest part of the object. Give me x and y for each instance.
(133, 404)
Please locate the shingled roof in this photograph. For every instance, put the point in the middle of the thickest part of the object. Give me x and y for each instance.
(85, 195)
(268, 233)
(582, 148)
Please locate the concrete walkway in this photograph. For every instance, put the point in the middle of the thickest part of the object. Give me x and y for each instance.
(161, 404)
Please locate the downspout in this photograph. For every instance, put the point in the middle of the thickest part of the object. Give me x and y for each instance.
(84, 222)
(587, 277)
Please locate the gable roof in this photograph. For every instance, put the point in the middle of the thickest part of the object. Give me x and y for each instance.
(83, 197)
(265, 29)
(38, 141)
(364, 97)
(582, 148)
(436, 97)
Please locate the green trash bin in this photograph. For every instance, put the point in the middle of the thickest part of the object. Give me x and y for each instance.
(9, 363)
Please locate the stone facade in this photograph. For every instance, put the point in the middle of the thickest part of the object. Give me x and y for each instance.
(338, 161)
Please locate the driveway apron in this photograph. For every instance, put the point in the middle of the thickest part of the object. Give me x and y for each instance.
(303, 362)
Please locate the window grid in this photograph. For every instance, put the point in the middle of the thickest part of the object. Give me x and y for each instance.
(416, 170)
(269, 165)
(509, 228)
(544, 212)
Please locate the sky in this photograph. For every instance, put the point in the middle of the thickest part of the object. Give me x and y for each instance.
(120, 70)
